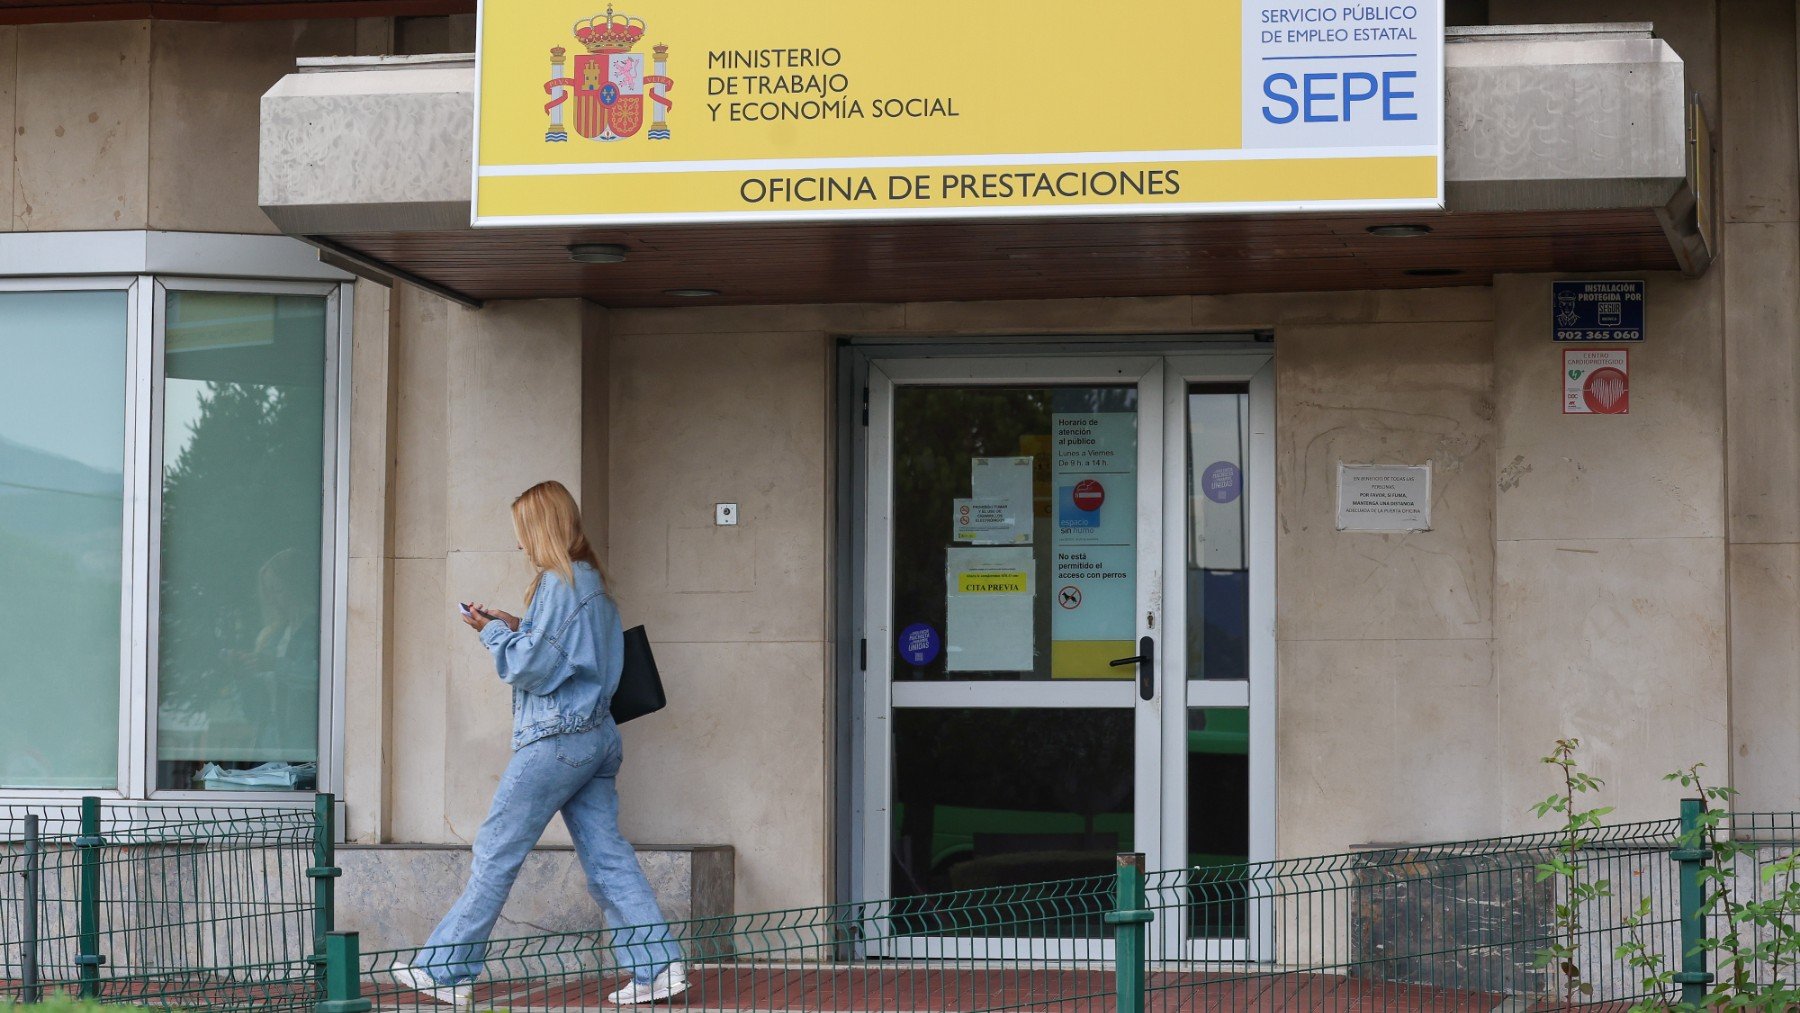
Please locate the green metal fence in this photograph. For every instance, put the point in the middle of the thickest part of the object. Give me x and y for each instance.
(1033, 946)
(172, 906)
(198, 908)
(1457, 926)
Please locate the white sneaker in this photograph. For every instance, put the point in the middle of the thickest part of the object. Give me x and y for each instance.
(667, 985)
(417, 980)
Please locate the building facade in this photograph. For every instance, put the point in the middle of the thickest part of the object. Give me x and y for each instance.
(863, 701)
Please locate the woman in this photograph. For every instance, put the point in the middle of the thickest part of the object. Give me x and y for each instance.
(562, 661)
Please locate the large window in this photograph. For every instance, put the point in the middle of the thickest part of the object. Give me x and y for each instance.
(62, 512)
(169, 518)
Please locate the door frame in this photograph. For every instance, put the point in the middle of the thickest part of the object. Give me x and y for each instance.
(864, 474)
(1257, 371)
(885, 376)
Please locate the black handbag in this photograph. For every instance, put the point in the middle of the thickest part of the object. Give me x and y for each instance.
(640, 689)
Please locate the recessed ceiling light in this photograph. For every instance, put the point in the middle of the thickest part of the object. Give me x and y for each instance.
(1432, 272)
(691, 293)
(1399, 231)
(597, 253)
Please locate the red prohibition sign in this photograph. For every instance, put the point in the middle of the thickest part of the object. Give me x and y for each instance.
(1089, 494)
(1069, 597)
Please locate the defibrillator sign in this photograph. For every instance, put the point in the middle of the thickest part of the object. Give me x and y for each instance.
(647, 111)
(1596, 382)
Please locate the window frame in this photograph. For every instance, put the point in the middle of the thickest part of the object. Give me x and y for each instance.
(129, 546)
(266, 265)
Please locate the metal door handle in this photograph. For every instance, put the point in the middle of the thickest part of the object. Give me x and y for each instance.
(1145, 660)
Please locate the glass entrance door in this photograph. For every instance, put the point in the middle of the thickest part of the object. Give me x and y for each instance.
(1040, 694)
(1219, 724)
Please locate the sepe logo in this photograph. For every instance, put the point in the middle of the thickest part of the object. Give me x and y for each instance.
(608, 82)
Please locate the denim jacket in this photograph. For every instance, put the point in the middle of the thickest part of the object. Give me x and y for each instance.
(563, 663)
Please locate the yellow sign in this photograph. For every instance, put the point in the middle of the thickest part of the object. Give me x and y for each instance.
(704, 110)
(1091, 659)
(1014, 582)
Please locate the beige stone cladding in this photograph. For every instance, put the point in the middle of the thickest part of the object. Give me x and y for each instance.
(1634, 581)
(1759, 267)
(143, 124)
(1573, 582)
(1610, 608)
(1739, 60)
(1740, 57)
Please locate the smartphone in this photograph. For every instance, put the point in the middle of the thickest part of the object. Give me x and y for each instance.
(464, 608)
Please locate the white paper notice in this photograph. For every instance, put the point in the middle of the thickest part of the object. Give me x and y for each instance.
(1000, 478)
(989, 593)
(999, 508)
(1384, 498)
(989, 522)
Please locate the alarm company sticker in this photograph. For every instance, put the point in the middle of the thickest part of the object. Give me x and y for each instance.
(1598, 311)
(1596, 381)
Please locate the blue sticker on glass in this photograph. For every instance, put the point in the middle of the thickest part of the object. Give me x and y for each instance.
(919, 644)
(1221, 482)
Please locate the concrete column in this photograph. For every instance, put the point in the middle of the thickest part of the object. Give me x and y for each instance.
(513, 418)
(371, 579)
(1760, 238)
(1609, 563)
(488, 402)
(704, 410)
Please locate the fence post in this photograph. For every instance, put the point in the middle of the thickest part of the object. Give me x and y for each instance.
(1128, 918)
(343, 975)
(28, 960)
(324, 873)
(88, 846)
(1690, 853)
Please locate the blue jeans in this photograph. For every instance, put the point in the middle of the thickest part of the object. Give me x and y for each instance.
(574, 773)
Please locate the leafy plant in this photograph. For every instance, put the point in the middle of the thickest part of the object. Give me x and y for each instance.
(1655, 976)
(1760, 932)
(1565, 866)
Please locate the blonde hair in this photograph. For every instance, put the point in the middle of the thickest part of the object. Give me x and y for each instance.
(548, 525)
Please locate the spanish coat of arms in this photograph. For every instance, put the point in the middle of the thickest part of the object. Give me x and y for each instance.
(608, 83)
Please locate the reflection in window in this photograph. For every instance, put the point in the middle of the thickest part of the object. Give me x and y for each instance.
(62, 489)
(1218, 817)
(989, 797)
(242, 529)
(1218, 574)
(1073, 565)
